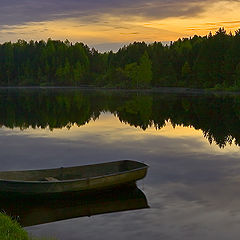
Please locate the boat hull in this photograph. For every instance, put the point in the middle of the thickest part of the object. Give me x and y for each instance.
(90, 183)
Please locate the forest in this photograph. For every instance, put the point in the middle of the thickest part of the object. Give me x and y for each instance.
(211, 61)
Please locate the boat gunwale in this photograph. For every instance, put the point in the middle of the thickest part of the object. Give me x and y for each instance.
(78, 179)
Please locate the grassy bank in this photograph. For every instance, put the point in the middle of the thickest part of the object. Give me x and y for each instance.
(11, 230)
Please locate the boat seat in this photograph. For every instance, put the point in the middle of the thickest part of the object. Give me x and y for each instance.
(52, 179)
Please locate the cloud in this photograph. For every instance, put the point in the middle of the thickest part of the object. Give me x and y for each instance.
(19, 12)
(108, 22)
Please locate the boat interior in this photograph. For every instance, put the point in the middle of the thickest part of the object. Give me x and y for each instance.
(72, 173)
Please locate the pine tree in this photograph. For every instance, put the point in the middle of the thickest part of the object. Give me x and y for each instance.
(145, 71)
(78, 73)
(132, 71)
(186, 74)
(237, 76)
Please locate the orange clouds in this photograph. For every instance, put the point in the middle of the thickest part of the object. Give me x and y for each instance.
(116, 22)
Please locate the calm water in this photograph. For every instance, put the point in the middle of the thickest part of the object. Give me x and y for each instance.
(191, 144)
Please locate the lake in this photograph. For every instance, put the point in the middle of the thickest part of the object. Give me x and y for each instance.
(190, 142)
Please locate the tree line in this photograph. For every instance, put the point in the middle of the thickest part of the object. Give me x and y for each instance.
(211, 61)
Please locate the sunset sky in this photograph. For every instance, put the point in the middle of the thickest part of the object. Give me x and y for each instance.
(109, 24)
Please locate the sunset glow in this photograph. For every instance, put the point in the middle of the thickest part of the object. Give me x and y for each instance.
(110, 24)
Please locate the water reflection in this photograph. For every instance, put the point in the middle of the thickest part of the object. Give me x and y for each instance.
(217, 116)
(35, 210)
(192, 186)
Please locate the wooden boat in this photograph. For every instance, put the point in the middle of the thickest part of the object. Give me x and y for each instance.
(72, 179)
(34, 211)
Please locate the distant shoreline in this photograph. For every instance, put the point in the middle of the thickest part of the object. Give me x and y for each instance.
(177, 90)
(209, 63)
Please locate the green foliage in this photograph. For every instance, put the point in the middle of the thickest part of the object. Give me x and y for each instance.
(186, 70)
(44, 63)
(139, 75)
(202, 62)
(145, 71)
(237, 76)
(132, 72)
(186, 74)
(11, 230)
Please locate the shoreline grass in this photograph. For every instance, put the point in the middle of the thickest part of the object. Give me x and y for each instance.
(10, 229)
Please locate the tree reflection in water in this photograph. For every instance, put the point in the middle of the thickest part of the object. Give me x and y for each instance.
(217, 116)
